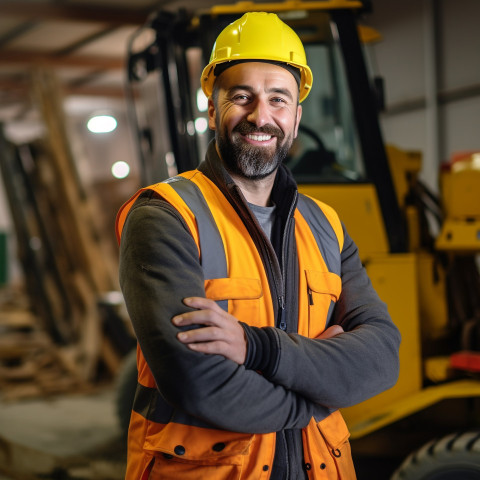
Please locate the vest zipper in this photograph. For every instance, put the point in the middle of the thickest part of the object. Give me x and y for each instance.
(310, 296)
(272, 264)
(281, 310)
(277, 274)
(286, 231)
(266, 250)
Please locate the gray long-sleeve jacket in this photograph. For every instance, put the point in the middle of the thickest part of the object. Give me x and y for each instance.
(301, 377)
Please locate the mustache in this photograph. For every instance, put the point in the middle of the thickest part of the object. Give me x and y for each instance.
(245, 127)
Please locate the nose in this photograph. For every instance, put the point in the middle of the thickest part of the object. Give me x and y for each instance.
(259, 114)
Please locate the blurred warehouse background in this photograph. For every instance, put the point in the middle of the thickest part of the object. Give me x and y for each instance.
(63, 327)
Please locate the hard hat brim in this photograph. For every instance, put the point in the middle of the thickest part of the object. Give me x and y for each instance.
(208, 76)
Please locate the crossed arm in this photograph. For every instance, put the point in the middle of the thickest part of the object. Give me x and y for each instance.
(222, 333)
(159, 259)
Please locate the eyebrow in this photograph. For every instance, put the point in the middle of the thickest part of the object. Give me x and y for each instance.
(282, 91)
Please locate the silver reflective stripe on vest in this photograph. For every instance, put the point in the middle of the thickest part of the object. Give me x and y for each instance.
(212, 251)
(325, 237)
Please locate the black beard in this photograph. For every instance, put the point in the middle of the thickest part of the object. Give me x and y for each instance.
(247, 160)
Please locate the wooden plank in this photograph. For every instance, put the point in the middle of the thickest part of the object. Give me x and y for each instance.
(74, 266)
(16, 320)
(82, 232)
(87, 263)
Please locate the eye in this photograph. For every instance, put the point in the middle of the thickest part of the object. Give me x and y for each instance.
(278, 100)
(240, 98)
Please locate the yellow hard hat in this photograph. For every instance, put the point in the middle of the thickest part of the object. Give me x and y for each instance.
(259, 36)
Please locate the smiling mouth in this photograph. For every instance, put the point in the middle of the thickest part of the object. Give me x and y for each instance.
(259, 138)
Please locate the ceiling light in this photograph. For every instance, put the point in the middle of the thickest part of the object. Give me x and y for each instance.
(202, 101)
(201, 125)
(102, 124)
(120, 169)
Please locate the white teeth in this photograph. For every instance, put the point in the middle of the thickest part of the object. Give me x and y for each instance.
(259, 138)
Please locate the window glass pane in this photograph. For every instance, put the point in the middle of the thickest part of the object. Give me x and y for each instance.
(327, 148)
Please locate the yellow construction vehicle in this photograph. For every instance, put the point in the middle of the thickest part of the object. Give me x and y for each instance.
(430, 281)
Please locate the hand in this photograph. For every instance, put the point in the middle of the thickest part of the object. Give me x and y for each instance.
(330, 332)
(222, 334)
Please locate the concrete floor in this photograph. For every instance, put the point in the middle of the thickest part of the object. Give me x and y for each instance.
(73, 437)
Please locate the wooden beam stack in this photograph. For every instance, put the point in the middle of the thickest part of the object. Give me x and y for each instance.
(69, 266)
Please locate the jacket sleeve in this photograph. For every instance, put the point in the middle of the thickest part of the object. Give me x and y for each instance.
(159, 266)
(346, 369)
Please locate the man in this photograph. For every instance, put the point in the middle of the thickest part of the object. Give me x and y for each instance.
(255, 319)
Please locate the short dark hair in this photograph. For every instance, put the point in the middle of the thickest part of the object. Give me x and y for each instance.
(221, 67)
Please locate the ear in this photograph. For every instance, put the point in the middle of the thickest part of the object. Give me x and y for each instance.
(297, 120)
(212, 114)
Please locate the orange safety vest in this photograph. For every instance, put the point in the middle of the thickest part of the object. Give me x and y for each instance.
(162, 449)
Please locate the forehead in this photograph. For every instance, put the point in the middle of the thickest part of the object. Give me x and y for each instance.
(258, 76)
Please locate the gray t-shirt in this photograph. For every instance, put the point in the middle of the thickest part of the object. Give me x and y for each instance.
(265, 217)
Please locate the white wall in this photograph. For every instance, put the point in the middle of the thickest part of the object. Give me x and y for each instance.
(430, 60)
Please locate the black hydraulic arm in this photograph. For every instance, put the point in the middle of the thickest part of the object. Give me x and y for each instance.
(366, 116)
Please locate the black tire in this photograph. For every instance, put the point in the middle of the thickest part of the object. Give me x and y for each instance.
(454, 457)
(126, 385)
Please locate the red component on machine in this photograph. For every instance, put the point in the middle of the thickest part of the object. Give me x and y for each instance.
(467, 361)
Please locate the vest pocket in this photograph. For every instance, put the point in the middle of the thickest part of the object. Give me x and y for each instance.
(242, 294)
(335, 434)
(328, 448)
(323, 289)
(166, 468)
(189, 452)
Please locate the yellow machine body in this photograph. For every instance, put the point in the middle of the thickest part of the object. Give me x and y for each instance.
(413, 286)
(460, 183)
